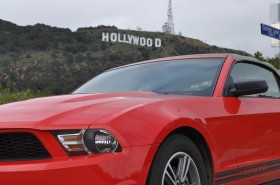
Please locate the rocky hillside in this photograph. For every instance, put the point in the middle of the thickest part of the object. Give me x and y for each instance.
(58, 60)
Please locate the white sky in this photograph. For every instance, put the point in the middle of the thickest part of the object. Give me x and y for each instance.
(226, 23)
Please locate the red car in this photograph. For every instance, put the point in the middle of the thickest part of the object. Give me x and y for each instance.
(189, 120)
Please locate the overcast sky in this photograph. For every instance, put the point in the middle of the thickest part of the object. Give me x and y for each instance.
(226, 23)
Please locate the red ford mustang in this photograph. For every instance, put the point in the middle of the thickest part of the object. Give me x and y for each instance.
(190, 120)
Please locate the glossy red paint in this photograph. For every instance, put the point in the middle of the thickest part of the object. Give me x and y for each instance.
(239, 132)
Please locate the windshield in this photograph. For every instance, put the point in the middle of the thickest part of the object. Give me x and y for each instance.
(187, 76)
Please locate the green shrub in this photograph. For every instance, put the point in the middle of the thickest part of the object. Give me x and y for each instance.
(7, 95)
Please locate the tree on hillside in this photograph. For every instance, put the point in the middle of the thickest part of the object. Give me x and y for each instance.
(258, 55)
(273, 60)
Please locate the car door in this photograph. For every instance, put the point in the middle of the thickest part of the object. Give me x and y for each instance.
(257, 141)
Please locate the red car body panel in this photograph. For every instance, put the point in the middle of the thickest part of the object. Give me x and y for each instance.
(140, 122)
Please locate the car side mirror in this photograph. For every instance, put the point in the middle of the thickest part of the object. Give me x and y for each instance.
(249, 87)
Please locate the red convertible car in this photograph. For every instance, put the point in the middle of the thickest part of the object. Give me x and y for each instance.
(188, 120)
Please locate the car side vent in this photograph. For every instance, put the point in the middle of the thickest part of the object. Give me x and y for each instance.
(21, 146)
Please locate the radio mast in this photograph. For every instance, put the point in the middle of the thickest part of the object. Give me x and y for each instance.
(168, 27)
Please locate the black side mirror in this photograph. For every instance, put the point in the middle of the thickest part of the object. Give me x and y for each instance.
(249, 87)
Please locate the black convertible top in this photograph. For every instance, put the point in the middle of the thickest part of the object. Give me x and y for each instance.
(252, 59)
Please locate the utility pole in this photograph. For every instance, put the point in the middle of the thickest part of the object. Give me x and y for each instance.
(279, 45)
(169, 27)
(170, 18)
(275, 20)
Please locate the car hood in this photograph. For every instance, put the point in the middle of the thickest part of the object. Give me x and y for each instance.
(75, 111)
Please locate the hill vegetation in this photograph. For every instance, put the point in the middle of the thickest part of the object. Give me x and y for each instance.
(45, 60)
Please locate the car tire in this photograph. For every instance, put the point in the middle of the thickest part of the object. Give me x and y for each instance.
(177, 162)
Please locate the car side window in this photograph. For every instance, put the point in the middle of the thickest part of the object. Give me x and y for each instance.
(249, 71)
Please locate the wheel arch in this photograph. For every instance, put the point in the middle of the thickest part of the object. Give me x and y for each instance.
(199, 140)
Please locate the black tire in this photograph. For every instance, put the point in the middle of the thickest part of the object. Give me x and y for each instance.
(166, 154)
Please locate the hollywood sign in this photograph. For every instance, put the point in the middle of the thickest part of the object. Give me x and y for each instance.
(131, 39)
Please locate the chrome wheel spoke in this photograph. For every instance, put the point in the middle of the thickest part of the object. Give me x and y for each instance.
(181, 169)
(169, 181)
(170, 175)
(185, 169)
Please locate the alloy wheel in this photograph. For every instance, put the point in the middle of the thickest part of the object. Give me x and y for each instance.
(181, 170)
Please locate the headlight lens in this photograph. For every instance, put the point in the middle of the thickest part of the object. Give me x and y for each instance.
(100, 141)
(77, 142)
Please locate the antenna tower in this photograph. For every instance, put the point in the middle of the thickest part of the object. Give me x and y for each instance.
(168, 27)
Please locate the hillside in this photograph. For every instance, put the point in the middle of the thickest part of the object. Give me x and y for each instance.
(58, 60)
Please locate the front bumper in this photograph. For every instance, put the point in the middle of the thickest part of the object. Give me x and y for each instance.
(129, 167)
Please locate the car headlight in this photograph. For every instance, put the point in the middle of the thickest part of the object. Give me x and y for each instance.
(79, 142)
